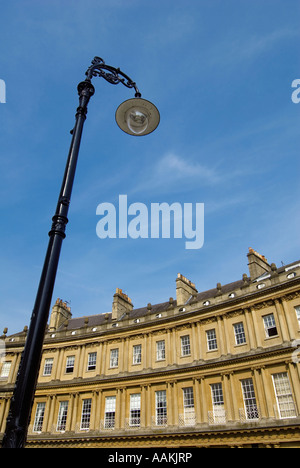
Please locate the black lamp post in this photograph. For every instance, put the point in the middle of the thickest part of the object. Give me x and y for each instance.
(136, 117)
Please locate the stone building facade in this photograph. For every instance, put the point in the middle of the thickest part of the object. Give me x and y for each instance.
(218, 368)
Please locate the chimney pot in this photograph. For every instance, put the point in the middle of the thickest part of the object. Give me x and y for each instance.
(258, 264)
(184, 289)
(121, 304)
(60, 313)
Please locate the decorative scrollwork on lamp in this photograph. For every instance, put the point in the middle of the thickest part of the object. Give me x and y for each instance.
(111, 74)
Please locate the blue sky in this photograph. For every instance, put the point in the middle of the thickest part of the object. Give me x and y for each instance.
(220, 72)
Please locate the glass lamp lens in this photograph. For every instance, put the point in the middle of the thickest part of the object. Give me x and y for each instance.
(137, 117)
(137, 120)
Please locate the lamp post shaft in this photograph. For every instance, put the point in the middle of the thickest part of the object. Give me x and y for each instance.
(22, 400)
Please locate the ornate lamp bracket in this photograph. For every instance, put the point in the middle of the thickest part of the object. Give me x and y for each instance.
(111, 74)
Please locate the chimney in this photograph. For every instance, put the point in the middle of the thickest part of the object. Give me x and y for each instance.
(184, 289)
(60, 313)
(257, 263)
(121, 304)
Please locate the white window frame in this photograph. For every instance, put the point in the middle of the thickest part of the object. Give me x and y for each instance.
(70, 364)
(137, 354)
(5, 371)
(62, 416)
(185, 345)
(48, 365)
(110, 412)
(211, 338)
(160, 350)
(270, 326)
(217, 397)
(39, 417)
(297, 311)
(188, 406)
(239, 333)
(250, 403)
(92, 361)
(284, 396)
(86, 414)
(161, 408)
(114, 358)
(135, 410)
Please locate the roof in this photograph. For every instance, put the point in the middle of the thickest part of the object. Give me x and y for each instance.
(106, 318)
(101, 319)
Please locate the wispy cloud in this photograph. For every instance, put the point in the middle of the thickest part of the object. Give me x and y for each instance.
(179, 168)
(235, 50)
(176, 172)
(257, 45)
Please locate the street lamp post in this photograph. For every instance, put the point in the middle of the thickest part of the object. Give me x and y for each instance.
(136, 117)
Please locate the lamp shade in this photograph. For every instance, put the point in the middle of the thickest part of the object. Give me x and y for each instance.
(137, 116)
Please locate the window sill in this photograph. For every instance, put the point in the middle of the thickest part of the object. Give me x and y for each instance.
(271, 337)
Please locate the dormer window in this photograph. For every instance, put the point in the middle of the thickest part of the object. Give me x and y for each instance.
(291, 275)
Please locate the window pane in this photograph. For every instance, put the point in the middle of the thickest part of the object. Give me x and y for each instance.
(110, 412)
(135, 409)
(188, 397)
(185, 345)
(86, 413)
(48, 366)
(92, 359)
(217, 394)
(285, 401)
(39, 417)
(114, 357)
(70, 364)
(240, 337)
(218, 412)
(297, 310)
(249, 399)
(211, 339)
(137, 354)
(5, 369)
(62, 416)
(270, 325)
(161, 408)
(160, 350)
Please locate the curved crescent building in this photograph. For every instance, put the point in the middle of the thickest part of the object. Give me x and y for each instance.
(218, 368)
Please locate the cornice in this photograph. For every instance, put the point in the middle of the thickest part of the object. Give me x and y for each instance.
(227, 307)
(220, 309)
(267, 432)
